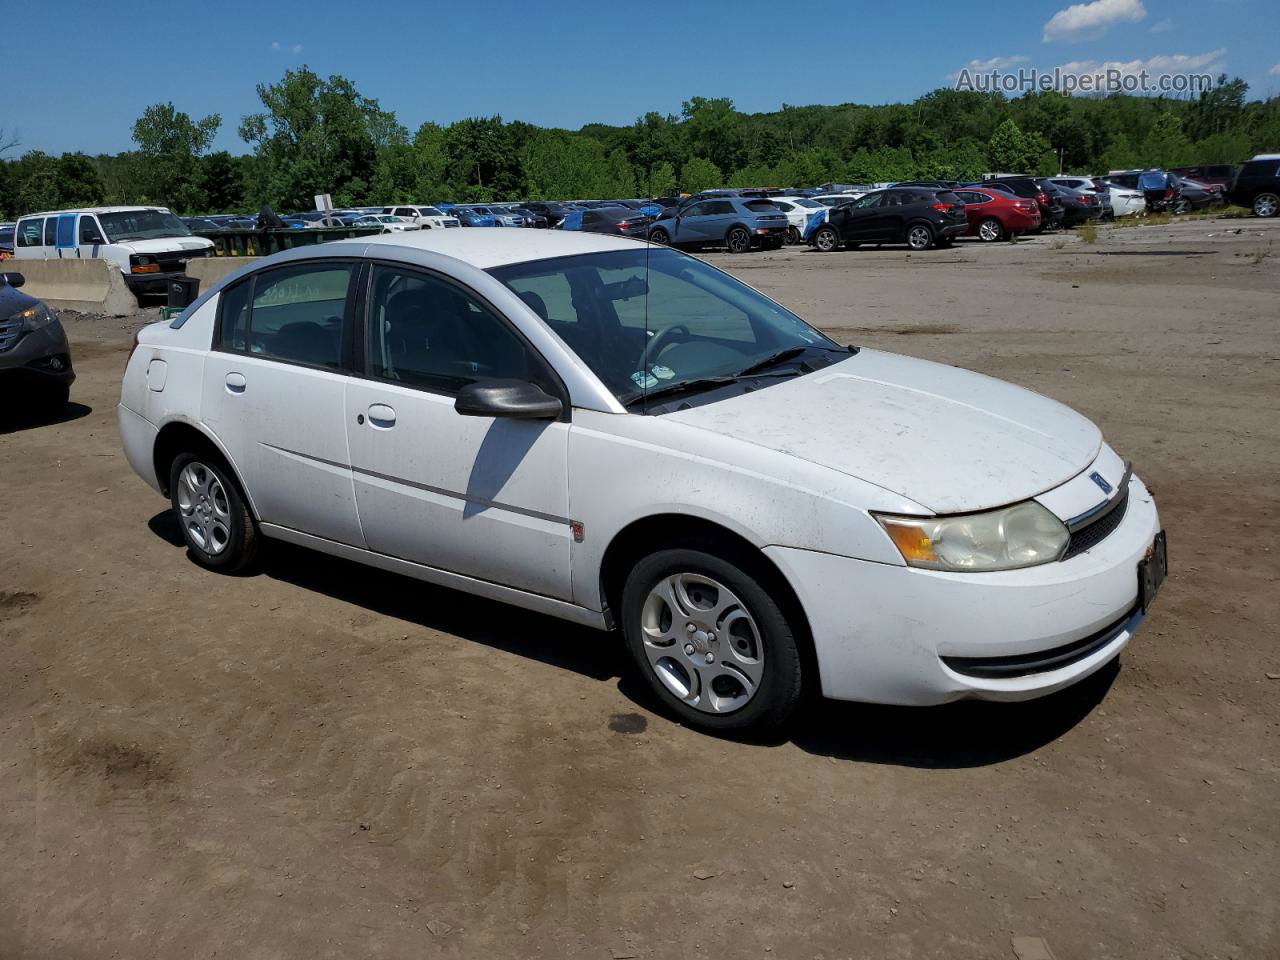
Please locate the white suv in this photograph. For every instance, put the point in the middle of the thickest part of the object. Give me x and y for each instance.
(622, 435)
(429, 218)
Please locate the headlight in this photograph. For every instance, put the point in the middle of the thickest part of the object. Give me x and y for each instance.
(33, 318)
(1023, 535)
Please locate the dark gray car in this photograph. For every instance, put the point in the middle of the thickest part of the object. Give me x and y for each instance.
(34, 355)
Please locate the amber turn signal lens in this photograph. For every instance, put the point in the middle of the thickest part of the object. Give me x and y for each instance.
(912, 543)
(145, 268)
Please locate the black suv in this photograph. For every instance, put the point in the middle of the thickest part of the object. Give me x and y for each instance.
(1257, 185)
(917, 216)
(34, 354)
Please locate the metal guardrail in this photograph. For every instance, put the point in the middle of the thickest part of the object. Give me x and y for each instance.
(261, 243)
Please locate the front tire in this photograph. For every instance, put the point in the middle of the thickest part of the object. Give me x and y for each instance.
(711, 641)
(793, 236)
(659, 236)
(216, 524)
(990, 230)
(825, 239)
(738, 240)
(1266, 205)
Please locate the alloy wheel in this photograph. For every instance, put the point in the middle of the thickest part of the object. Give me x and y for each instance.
(702, 643)
(659, 236)
(205, 513)
(919, 237)
(826, 240)
(739, 240)
(989, 230)
(1266, 205)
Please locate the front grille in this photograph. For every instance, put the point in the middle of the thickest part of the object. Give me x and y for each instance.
(1086, 537)
(1042, 661)
(10, 330)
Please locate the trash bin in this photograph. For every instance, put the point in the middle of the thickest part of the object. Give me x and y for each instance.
(183, 291)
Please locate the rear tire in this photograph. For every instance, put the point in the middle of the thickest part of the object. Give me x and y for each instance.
(738, 240)
(1266, 205)
(990, 230)
(919, 236)
(793, 236)
(216, 524)
(659, 236)
(753, 676)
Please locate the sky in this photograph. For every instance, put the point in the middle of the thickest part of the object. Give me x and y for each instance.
(565, 63)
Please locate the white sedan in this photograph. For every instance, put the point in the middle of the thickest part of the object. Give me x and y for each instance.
(798, 211)
(626, 437)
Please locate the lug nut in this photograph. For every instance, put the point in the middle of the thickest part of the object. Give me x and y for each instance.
(711, 658)
(688, 648)
(711, 635)
(691, 628)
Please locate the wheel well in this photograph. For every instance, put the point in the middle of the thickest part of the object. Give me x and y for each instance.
(176, 438)
(664, 531)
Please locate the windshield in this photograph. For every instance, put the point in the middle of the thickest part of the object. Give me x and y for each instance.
(430, 212)
(141, 225)
(688, 322)
(806, 203)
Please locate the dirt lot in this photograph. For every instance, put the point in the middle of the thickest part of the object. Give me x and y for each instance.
(323, 761)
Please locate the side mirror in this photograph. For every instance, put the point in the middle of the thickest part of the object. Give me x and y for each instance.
(13, 279)
(93, 241)
(513, 399)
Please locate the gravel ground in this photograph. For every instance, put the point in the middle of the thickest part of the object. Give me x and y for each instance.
(325, 761)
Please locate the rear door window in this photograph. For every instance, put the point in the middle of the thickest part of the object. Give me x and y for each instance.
(297, 314)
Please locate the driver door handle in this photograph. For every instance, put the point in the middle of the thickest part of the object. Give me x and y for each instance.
(382, 416)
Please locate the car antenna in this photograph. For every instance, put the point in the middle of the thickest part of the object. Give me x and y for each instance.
(644, 349)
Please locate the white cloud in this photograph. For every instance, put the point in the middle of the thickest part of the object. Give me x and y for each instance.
(275, 44)
(1083, 21)
(1211, 63)
(1274, 71)
(296, 48)
(995, 63)
(1163, 26)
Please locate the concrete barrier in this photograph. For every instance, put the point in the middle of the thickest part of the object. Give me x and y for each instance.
(90, 286)
(212, 269)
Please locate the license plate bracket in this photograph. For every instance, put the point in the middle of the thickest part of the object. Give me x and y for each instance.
(1152, 570)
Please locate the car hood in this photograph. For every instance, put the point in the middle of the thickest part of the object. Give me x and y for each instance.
(949, 439)
(167, 245)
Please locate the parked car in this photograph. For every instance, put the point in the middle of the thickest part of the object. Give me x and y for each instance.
(35, 358)
(619, 221)
(1256, 185)
(627, 437)
(733, 222)
(429, 218)
(1201, 195)
(996, 215)
(500, 218)
(200, 223)
(473, 218)
(1092, 185)
(1125, 202)
(1051, 209)
(6, 240)
(387, 223)
(532, 218)
(1079, 205)
(553, 212)
(1213, 174)
(798, 211)
(148, 245)
(920, 217)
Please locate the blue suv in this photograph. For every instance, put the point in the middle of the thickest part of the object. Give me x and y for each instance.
(734, 222)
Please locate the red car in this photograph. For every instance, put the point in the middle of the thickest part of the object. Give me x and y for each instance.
(994, 214)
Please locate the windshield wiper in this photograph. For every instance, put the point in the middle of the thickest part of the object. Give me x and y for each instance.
(782, 356)
(670, 389)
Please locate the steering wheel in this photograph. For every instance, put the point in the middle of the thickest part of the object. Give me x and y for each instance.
(653, 347)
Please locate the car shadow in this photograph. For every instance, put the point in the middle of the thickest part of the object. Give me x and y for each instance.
(952, 736)
(15, 420)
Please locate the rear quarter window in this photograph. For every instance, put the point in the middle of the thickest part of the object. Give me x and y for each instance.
(30, 233)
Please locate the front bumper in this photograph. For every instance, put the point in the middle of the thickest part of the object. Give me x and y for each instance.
(39, 357)
(152, 282)
(894, 634)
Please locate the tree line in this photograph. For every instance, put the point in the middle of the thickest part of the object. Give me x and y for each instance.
(315, 135)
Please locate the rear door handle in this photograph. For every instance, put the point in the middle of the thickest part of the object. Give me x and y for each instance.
(382, 416)
(235, 383)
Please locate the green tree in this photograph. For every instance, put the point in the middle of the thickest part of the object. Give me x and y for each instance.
(1165, 144)
(221, 179)
(698, 174)
(8, 191)
(661, 180)
(78, 183)
(170, 144)
(482, 160)
(1011, 150)
(37, 180)
(315, 136)
(431, 165)
(713, 129)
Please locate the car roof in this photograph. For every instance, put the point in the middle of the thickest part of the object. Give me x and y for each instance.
(484, 249)
(51, 213)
